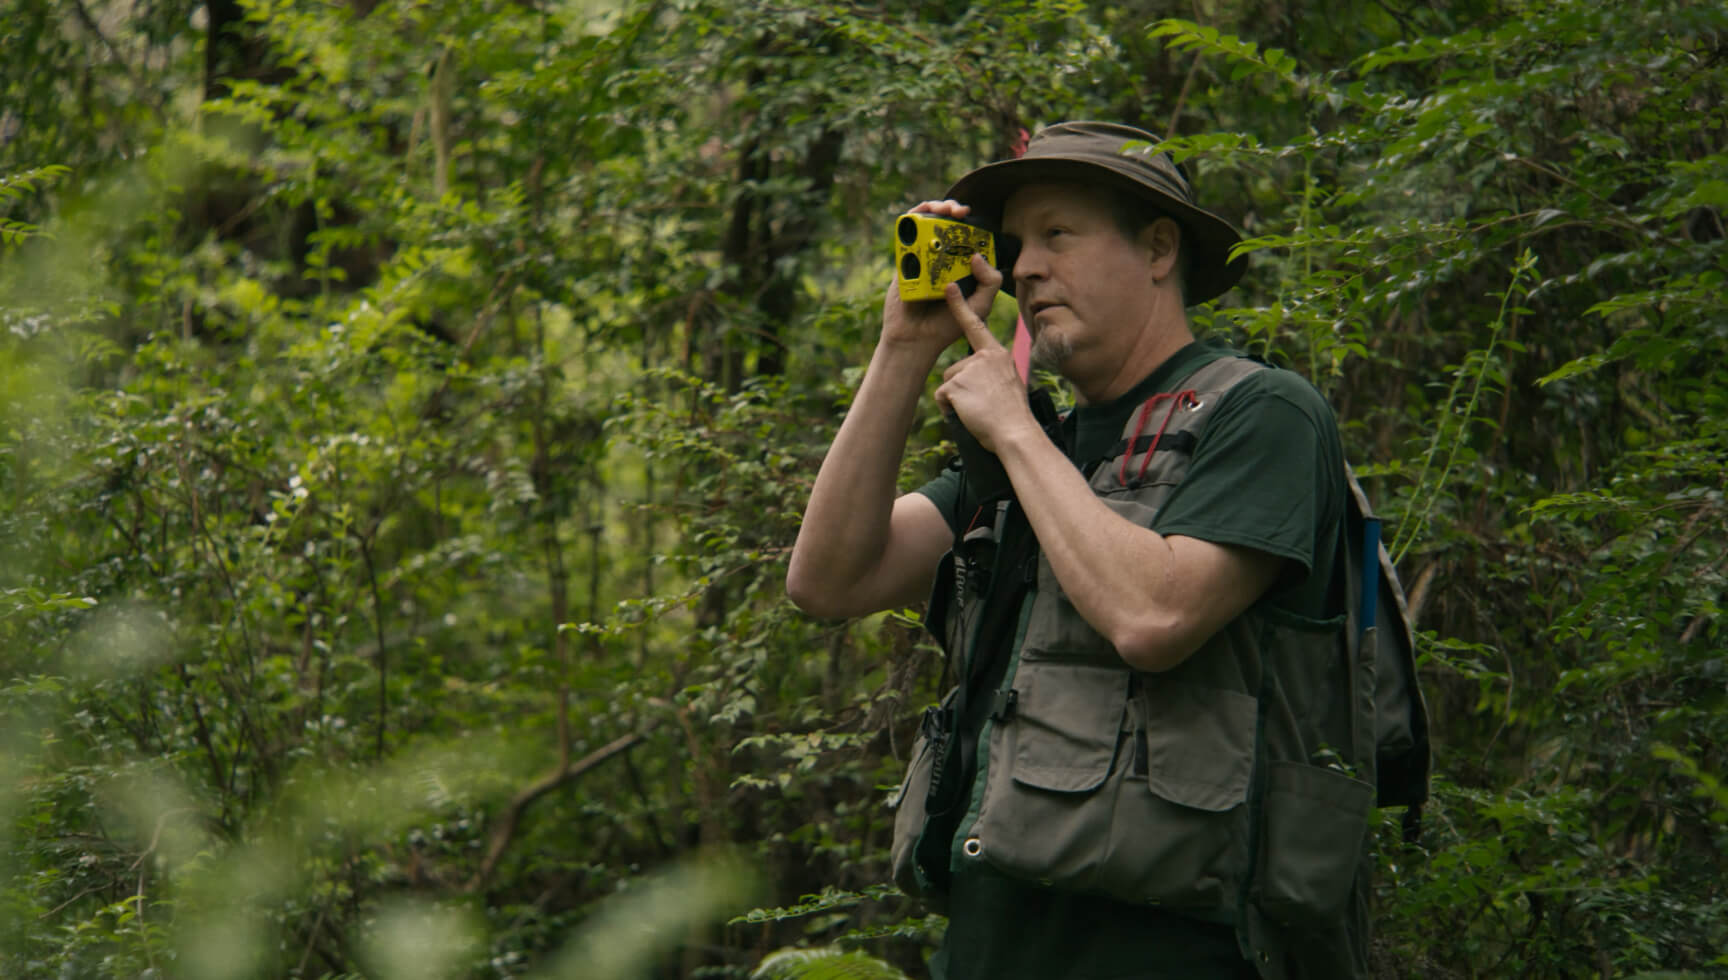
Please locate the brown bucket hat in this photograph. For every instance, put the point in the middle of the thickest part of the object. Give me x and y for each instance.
(1092, 153)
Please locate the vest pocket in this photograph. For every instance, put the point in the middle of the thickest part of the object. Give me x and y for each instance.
(1073, 809)
(1199, 743)
(1044, 815)
(1179, 827)
(1315, 826)
(1066, 725)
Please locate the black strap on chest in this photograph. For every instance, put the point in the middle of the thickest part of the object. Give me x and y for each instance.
(1182, 442)
(984, 666)
(986, 652)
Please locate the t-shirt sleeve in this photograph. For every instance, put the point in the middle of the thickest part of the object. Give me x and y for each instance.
(1265, 472)
(944, 492)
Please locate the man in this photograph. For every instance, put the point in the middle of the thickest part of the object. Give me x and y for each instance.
(1148, 621)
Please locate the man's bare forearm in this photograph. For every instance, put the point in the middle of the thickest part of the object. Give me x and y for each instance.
(847, 525)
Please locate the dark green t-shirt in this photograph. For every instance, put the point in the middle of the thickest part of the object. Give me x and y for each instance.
(1267, 473)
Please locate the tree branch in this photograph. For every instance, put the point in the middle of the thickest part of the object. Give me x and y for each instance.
(1417, 597)
(378, 625)
(89, 24)
(1182, 97)
(505, 828)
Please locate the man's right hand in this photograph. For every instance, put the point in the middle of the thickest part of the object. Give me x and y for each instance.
(930, 324)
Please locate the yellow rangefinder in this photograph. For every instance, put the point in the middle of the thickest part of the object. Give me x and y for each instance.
(931, 251)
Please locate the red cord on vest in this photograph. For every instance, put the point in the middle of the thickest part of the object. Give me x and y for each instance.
(1177, 399)
(973, 523)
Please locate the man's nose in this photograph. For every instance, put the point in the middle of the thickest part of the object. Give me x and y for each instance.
(1029, 266)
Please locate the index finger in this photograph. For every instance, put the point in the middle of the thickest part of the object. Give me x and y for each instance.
(971, 324)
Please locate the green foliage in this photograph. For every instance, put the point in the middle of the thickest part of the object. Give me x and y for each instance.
(1558, 512)
(406, 408)
(823, 964)
(16, 186)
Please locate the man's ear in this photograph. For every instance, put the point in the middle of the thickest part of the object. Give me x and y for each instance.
(1161, 239)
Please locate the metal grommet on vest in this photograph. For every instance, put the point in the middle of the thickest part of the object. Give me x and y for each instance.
(972, 847)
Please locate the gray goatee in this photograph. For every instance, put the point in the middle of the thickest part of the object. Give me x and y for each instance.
(1050, 351)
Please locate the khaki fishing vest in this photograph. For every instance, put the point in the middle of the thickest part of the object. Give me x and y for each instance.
(1221, 789)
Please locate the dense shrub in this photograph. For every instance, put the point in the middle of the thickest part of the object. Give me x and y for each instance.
(405, 410)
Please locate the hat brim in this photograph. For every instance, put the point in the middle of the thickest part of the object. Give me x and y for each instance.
(1208, 237)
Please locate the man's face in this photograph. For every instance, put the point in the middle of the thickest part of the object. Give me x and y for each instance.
(1083, 286)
